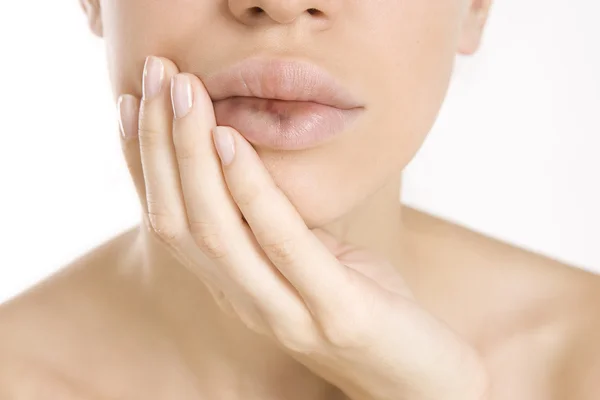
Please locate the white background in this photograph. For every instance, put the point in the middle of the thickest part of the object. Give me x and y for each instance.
(514, 153)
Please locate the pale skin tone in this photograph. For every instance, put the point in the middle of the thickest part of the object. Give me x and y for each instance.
(327, 288)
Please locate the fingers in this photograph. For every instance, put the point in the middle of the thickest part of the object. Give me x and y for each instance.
(321, 280)
(165, 206)
(128, 108)
(210, 209)
(180, 182)
(153, 160)
(214, 219)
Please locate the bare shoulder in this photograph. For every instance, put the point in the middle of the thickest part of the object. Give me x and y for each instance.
(579, 376)
(51, 327)
(546, 313)
(561, 304)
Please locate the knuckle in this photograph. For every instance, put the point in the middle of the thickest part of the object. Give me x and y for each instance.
(185, 153)
(164, 230)
(186, 146)
(251, 317)
(346, 331)
(163, 227)
(149, 136)
(209, 238)
(248, 195)
(297, 337)
(283, 251)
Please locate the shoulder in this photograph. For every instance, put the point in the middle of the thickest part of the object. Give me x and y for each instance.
(26, 378)
(566, 306)
(579, 375)
(570, 304)
(549, 311)
(46, 330)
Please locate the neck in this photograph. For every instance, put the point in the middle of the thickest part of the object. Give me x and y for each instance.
(219, 350)
(376, 224)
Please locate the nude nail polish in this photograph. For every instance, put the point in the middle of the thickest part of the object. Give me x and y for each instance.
(181, 94)
(153, 77)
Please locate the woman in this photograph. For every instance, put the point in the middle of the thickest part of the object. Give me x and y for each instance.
(273, 259)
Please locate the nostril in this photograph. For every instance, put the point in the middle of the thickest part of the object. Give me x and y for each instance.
(256, 11)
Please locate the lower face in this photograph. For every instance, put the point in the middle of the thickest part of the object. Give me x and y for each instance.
(396, 55)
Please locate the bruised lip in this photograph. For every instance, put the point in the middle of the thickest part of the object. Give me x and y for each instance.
(281, 104)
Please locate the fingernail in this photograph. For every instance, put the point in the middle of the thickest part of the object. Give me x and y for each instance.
(181, 95)
(153, 77)
(224, 143)
(126, 110)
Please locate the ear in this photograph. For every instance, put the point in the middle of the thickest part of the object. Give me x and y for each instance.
(472, 28)
(92, 11)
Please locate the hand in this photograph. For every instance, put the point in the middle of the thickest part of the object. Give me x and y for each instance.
(344, 313)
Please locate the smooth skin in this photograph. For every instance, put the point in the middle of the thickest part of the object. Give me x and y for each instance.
(338, 310)
(234, 285)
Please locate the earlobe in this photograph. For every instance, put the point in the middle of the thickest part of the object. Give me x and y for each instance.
(473, 26)
(94, 16)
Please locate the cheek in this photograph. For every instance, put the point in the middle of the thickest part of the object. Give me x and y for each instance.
(412, 66)
(327, 182)
(321, 183)
(134, 29)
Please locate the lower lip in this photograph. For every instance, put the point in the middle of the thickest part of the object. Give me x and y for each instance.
(283, 125)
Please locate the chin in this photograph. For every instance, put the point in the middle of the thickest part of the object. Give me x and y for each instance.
(319, 201)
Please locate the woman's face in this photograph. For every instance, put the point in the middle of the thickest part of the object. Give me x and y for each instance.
(396, 56)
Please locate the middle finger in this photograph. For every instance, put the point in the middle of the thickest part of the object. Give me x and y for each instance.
(215, 220)
(164, 203)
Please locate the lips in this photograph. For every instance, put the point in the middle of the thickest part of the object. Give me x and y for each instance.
(280, 104)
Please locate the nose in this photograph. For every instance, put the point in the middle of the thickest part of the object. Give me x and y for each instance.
(259, 12)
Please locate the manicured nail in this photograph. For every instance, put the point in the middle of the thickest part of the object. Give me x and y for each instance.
(224, 143)
(181, 95)
(127, 107)
(153, 77)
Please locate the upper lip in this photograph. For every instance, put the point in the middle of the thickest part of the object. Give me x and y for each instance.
(279, 79)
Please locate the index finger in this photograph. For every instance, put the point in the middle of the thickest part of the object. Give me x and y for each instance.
(298, 254)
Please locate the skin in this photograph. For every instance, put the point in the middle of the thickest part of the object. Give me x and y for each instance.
(159, 312)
